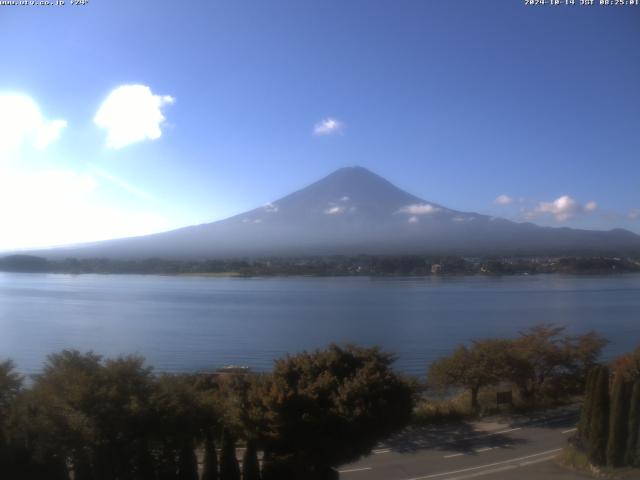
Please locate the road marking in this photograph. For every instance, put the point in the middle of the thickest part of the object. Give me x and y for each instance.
(502, 469)
(537, 460)
(570, 430)
(454, 455)
(351, 470)
(381, 450)
(507, 431)
(470, 469)
(485, 472)
(480, 450)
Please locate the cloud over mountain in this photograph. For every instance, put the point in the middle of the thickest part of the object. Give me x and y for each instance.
(562, 208)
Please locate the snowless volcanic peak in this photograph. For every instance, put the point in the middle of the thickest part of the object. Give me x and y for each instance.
(354, 211)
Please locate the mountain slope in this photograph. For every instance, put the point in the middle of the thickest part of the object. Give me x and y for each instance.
(354, 211)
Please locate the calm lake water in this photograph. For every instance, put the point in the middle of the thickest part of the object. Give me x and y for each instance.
(192, 323)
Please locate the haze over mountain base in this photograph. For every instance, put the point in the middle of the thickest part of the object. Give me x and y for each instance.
(350, 212)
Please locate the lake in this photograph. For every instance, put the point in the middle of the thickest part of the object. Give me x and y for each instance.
(190, 323)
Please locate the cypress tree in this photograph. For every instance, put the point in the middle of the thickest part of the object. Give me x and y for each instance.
(144, 464)
(268, 468)
(250, 465)
(275, 469)
(167, 465)
(632, 457)
(229, 468)
(210, 471)
(599, 425)
(187, 464)
(82, 466)
(618, 422)
(55, 468)
(585, 417)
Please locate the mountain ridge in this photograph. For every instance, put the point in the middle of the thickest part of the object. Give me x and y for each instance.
(355, 211)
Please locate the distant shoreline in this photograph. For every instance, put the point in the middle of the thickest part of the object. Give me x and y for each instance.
(334, 266)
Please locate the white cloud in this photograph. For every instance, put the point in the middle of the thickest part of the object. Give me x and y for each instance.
(271, 208)
(22, 123)
(562, 208)
(419, 209)
(335, 210)
(345, 199)
(590, 206)
(503, 200)
(328, 126)
(413, 219)
(130, 114)
(634, 214)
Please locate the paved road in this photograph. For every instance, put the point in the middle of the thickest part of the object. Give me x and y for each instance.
(495, 450)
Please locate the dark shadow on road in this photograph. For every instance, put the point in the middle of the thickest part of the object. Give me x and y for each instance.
(464, 437)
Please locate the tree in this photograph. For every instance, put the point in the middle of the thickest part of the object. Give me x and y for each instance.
(166, 464)
(587, 407)
(187, 464)
(229, 468)
(632, 453)
(181, 417)
(250, 465)
(547, 361)
(618, 422)
(599, 427)
(210, 469)
(628, 365)
(10, 385)
(273, 469)
(63, 405)
(331, 406)
(485, 363)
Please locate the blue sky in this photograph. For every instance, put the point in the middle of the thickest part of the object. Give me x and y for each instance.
(121, 118)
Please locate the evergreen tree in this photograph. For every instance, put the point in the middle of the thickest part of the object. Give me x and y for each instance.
(210, 471)
(268, 471)
(274, 469)
(229, 468)
(187, 464)
(144, 464)
(587, 406)
(632, 454)
(167, 465)
(82, 466)
(618, 422)
(54, 468)
(599, 426)
(250, 465)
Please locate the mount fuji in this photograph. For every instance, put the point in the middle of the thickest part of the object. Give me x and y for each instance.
(354, 211)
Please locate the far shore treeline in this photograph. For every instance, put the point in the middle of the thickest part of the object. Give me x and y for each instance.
(92, 418)
(337, 265)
